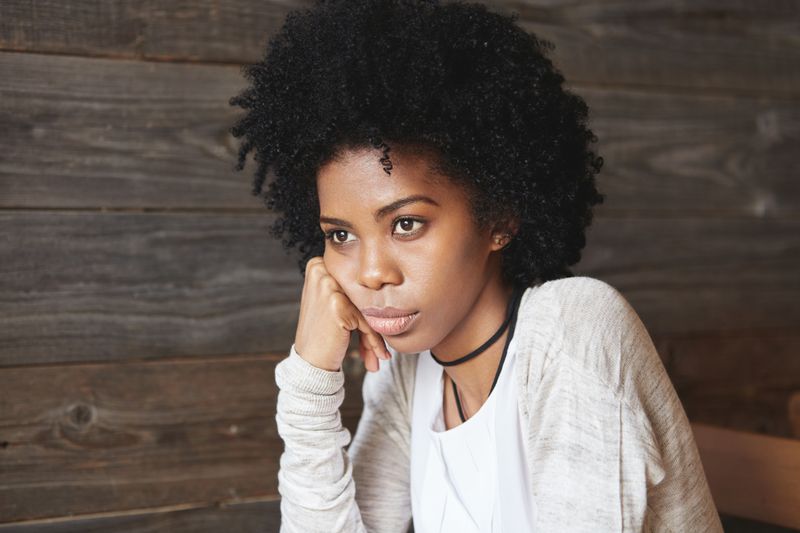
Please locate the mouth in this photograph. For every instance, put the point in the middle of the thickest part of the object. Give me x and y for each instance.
(393, 325)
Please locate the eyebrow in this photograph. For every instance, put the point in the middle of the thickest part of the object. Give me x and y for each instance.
(385, 210)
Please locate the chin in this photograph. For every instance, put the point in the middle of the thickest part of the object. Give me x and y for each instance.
(406, 345)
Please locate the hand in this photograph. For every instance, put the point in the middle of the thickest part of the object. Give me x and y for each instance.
(327, 316)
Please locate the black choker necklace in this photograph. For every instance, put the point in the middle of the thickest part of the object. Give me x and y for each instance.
(511, 313)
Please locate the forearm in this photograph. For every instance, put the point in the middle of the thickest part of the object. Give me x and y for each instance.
(315, 477)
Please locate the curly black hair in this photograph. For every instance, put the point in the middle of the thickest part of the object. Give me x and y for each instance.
(460, 83)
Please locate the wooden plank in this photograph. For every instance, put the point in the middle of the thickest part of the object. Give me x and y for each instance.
(739, 382)
(707, 44)
(107, 133)
(711, 44)
(752, 476)
(102, 286)
(701, 276)
(94, 438)
(118, 134)
(87, 286)
(251, 517)
(201, 30)
(668, 154)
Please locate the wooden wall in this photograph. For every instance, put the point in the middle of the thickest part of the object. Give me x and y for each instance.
(143, 306)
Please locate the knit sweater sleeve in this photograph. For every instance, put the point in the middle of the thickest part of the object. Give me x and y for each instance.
(318, 476)
(677, 492)
(381, 448)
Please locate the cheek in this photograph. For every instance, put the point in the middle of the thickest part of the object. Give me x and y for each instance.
(457, 259)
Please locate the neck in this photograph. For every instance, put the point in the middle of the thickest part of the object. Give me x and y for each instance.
(474, 377)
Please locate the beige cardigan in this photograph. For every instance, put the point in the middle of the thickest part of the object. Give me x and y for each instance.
(609, 445)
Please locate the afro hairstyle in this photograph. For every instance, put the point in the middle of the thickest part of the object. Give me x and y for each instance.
(466, 86)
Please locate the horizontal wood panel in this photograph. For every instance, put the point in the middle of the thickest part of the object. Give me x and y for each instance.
(710, 44)
(88, 133)
(738, 382)
(110, 286)
(699, 276)
(106, 133)
(704, 44)
(91, 438)
(202, 30)
(753, 476)
(254, 517)
(670, 154)
(102, 286)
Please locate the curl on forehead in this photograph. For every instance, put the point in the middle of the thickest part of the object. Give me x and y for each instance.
(390, 154)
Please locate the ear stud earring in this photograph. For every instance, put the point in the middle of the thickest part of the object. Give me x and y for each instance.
(501, 238)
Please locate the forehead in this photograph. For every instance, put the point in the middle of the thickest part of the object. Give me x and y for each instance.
(357, 178)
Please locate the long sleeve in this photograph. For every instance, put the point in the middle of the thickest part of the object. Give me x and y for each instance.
(611, 444)
(381, 448)
(678, 497)
(323, 485)
(315, 478)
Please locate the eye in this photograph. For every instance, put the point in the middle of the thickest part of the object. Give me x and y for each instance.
(335, 235)
(406, 224)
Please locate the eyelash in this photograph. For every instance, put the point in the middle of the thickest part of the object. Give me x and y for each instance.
(329, 235)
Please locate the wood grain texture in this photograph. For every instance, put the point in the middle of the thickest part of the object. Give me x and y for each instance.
(112, 286)
(752, 476)
(90, 438)
(709, 44)
(251, 517)
(102, 133)
(184, 30)
(716, 45)
(92, 286)
(701, 275)
(743, 382)
(669, 154)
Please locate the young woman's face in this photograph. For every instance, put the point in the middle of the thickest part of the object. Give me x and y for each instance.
(405, 240)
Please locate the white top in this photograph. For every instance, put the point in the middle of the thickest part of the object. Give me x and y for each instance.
(471, 478)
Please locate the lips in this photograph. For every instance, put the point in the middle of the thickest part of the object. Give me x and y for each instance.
(389, 320)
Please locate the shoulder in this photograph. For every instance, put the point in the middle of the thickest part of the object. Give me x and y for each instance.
(580, 295)
(581, 307)
(590, 325)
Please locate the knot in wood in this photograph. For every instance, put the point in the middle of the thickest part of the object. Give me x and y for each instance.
(81, 415)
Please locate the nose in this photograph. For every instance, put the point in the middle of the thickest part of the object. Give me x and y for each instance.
(377, 267)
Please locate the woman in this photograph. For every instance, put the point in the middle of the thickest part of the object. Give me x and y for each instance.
(437, 179)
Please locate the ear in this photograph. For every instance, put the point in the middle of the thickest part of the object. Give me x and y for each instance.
(503, 233)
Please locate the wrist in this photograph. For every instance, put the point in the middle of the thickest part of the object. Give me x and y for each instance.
(321, 365)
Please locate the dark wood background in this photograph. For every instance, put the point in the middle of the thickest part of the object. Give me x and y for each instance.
(143, 306)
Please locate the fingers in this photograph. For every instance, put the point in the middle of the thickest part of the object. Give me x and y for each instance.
(370, 360)
(371, 339)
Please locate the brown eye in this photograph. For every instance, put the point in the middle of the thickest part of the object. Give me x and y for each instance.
(406, 225)
(341, 234)
(334, 237)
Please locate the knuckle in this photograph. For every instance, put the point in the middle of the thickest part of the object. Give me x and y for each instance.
(313, 265)
(328, 283)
